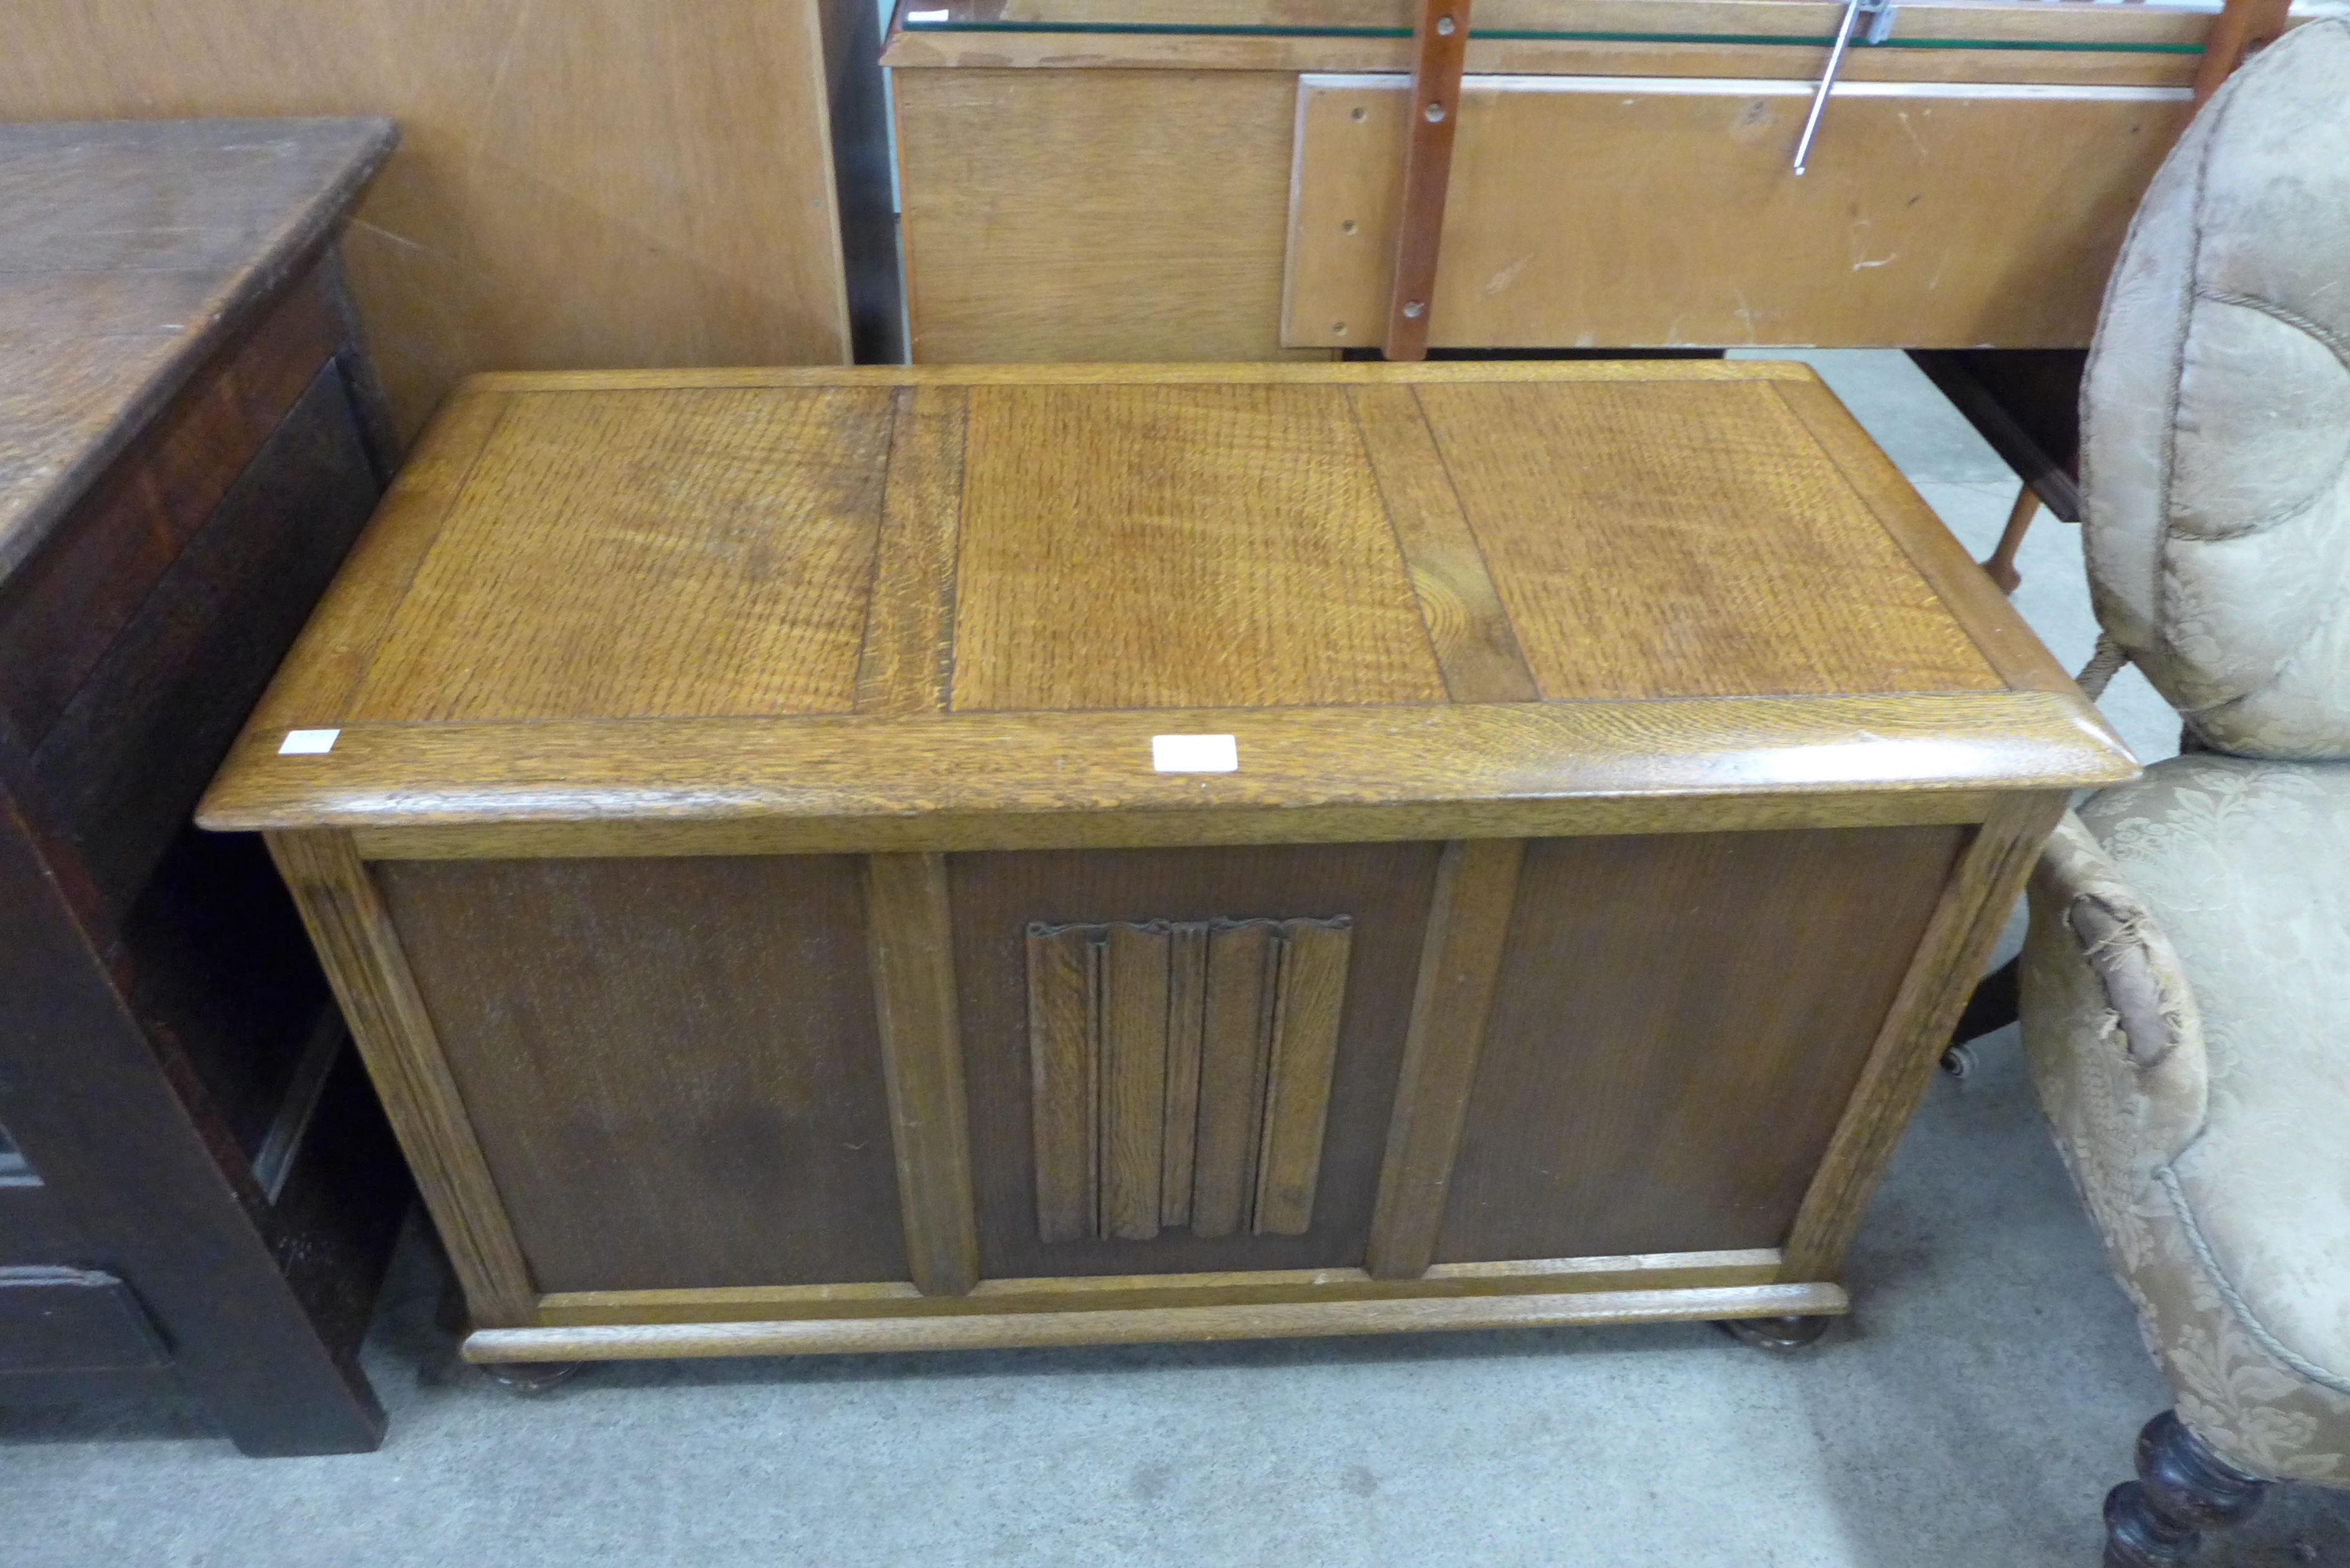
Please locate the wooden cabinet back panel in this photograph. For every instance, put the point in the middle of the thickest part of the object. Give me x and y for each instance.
(1679, 1023)
(1600, 212)
(671, 1065)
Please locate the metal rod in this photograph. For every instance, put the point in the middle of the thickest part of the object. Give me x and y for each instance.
(1827, 80)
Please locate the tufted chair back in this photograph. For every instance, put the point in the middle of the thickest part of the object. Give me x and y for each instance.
(2215, 446)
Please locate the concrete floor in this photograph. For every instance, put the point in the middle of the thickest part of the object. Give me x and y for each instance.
(1971, 1411)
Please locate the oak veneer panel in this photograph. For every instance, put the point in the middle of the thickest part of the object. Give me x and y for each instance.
(1121, 216)
(627, 558)
(1063, 988)
(672, 1065)
(1585, 211)
(996, 896)
(599, 182)
(1688, 540)
(1187, 1021)
(1136, 971)
(908, 921)
(907, 664)
(1178, 546)
(1466, 623)
(1679, 1023)
(1467, 928)
(1239, 988)
(1305, 1023)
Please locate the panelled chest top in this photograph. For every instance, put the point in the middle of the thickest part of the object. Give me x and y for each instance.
(897, 607)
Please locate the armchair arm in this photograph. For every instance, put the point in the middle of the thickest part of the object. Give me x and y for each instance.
(2109, 1020)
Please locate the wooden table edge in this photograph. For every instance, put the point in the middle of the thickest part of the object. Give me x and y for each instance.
(1438, 769)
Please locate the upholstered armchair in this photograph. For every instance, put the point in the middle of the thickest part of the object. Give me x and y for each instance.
(2186, 984)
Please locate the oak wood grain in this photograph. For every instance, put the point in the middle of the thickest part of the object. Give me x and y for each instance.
(1459, 964)
(315, 685)
(1497, 770)
(907, 665)
(910, 930)
(1062, 216)
(1178, 547)
(1304, 1050)
(671, 1065)
(1187, 1021)
(1678, 1024)
(1150, 1324)
(1135, 961)
(1242, 984)
(1475, 646)
(2022, 660)
(1063, 988)
(360, 949)
(1967, 920)
(705, 553)
(1702, 556)
(1141, 374)
(1540, 1276)
(1924, 206)
(1384, 887)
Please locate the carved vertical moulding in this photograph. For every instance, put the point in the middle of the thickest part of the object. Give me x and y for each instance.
(1182, 1074)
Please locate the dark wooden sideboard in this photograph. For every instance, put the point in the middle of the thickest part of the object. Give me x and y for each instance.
(197, 1188)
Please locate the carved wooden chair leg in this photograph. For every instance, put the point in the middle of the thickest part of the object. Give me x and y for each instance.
(530, 1377)
(2182, 1488)
(2001, 567)
(1782, 1334)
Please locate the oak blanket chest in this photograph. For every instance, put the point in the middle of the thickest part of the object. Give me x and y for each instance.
(847, 859)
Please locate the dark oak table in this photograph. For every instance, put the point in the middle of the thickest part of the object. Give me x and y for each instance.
(836, 860)
(196, 1186)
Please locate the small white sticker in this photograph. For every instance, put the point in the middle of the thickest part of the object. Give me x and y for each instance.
(307, 743)
(926, 16)
(1195, 753)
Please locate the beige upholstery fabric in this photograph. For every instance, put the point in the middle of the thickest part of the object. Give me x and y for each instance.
(2218, 1164)
(2216, 413)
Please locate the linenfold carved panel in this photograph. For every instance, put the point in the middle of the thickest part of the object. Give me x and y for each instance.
(1182, 1074)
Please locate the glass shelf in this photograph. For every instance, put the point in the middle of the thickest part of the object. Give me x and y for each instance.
(2105, 26)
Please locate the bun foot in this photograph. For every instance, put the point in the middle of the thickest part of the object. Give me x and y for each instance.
(529, 1377)
(1780, 1334)
(2182, 1488)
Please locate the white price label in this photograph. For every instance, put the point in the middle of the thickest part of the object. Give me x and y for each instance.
(1195, 753)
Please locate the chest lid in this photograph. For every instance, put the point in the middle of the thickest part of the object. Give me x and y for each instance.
(896, 595)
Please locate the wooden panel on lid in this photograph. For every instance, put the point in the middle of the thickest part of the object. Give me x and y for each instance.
(1178, 546)
(620, 557)
(1691, 540)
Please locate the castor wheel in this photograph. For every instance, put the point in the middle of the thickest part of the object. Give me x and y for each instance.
(1959, 1061)
(529, 1377)
(1780, 1334)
